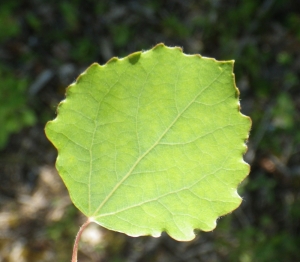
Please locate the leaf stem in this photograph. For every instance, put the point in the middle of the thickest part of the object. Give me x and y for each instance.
(75, 248)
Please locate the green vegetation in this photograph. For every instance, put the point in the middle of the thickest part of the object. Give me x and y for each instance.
(14, 111)
(263, 37)
(145, 123)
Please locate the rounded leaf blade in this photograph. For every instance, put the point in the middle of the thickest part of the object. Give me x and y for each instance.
(153, 142)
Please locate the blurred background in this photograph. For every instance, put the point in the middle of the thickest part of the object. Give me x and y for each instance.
(45, 45)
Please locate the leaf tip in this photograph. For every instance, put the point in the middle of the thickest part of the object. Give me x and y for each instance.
(91, 67)
(179, 48)
(158, 46)
(78, 79)
(112, 60)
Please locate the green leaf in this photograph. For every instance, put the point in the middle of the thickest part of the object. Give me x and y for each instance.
(153, 142)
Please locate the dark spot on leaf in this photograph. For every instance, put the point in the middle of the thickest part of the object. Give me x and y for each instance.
(134, 58)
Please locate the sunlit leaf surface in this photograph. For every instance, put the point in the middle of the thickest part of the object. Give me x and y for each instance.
(153, 142)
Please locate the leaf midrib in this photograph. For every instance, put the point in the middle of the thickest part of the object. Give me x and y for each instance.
(152, 147)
